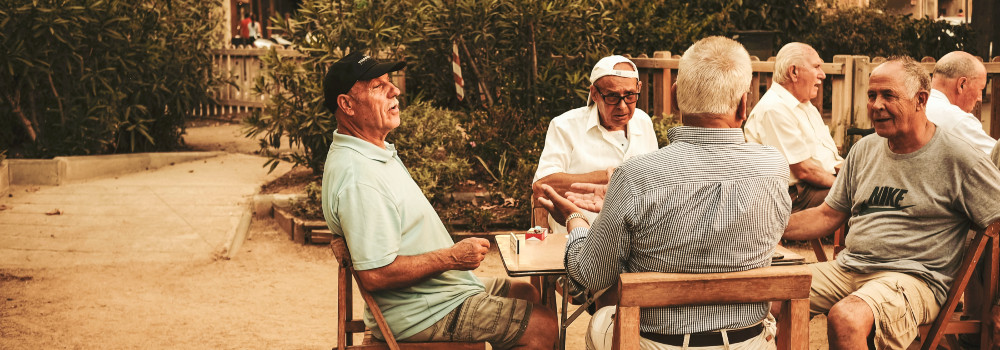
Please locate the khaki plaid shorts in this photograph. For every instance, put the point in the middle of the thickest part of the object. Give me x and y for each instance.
(900, 302)
(488, 316)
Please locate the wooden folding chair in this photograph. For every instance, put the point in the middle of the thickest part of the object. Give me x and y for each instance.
(347, 325)
(838, 244)
(944, 324)
(788, 284)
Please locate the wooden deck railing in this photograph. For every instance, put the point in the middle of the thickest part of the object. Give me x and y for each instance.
(848, 77)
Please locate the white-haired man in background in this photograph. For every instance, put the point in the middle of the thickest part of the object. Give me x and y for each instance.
(583, 145)
(785, 119)
(956, 87)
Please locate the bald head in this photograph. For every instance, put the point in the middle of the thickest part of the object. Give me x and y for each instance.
(961, 77)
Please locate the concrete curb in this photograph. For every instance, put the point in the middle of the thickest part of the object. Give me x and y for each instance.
(262, 205)
(61, 170)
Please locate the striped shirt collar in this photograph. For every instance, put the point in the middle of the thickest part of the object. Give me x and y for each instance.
(698, 135)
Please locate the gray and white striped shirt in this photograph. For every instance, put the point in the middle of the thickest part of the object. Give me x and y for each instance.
(708, 202)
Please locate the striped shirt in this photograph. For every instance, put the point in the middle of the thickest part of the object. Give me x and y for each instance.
(708, 202)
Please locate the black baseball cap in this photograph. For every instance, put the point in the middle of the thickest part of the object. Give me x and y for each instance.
(349, 70)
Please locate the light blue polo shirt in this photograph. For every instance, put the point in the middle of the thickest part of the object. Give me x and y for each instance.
(371, 200)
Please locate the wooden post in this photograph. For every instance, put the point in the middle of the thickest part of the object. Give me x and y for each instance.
(859, 113)
(626, 329)
(995, 104)
(754, 94)
(663, 79)
(840, 109)
(645, 78)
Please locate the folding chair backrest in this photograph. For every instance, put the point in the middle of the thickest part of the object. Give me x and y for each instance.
(788, 284)
(985, 242)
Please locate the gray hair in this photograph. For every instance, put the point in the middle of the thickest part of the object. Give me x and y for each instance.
(712, 76)
(916, 78)
(789, 55)
(957, 64)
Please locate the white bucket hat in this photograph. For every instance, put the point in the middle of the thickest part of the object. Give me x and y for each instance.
(606, 67)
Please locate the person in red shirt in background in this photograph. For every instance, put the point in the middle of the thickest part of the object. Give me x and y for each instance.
(244, 29)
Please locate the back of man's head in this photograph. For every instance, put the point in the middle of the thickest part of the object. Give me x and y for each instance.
(957, 64)
(712, 77)
(791, 54)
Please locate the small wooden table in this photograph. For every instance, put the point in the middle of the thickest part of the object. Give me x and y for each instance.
(546, 258)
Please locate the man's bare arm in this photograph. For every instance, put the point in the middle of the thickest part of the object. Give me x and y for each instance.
(814, 223)
(809, 171)
(406, 271)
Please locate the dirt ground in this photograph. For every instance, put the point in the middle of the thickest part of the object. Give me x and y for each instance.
(274, 294)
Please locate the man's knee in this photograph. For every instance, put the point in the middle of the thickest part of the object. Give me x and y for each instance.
(542, 330)
(851, 314)
(524, 291)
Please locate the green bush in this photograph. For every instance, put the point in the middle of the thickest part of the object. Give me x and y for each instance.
(433, 146)
(91, 77)
(872, 32)
(310, 207)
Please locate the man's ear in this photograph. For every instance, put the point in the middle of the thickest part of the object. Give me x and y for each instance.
(741, 111)
(344, 104)
(921, 97)
(960, 84)
(793, 73)
(673, 100)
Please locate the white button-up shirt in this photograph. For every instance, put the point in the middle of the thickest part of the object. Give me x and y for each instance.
(795, 128)
(953, 119)
(576, 143)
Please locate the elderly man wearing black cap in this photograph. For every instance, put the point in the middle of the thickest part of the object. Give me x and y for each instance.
(418, 275)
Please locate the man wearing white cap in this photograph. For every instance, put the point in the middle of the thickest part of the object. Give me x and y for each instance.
(583, 145)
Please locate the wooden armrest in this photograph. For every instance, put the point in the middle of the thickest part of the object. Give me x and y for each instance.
(657, 289)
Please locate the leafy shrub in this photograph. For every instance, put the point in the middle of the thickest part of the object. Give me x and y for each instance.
(310, 208)
(661, 125)
(871, 32)
(91, 77)
(433, 146)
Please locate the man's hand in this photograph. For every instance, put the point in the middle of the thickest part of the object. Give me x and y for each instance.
(468, 253)
(557, 205)
(588, 196)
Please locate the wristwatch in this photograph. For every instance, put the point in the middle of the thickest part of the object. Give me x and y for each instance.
(576, 215)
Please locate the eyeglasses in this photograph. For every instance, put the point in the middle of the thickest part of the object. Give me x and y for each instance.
(613, 99)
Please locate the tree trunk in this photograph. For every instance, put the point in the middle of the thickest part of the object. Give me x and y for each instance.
(16, 106)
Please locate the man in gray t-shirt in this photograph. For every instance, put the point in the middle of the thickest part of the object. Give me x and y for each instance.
(911, 193)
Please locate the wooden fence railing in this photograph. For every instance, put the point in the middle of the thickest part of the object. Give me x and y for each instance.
(242, 67)
(848, 81)
(847, 78)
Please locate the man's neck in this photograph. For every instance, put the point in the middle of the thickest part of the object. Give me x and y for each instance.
(792, 90)
(911, 143)
(350, 130)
